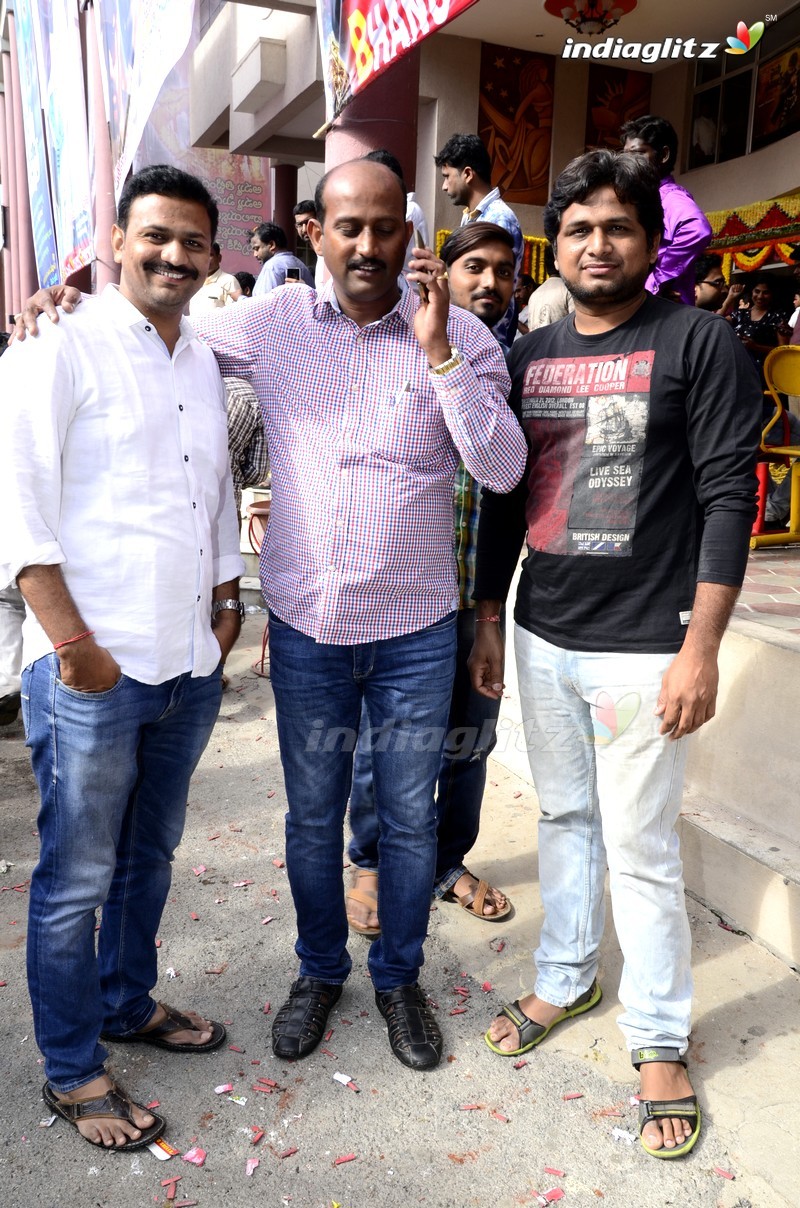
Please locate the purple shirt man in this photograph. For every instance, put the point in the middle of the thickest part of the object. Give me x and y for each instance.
(687, 234)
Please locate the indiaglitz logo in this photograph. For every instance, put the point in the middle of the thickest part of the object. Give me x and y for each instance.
(611, 718)
(670, 48)
(745, 38)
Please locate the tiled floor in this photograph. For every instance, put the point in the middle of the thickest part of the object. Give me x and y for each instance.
(771, 592)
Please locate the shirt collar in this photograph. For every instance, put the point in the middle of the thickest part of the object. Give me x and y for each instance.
(472, 214)
(126, 315)
(327, 302)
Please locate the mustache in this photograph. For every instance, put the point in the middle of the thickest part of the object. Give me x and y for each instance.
(185, 269)
(365, 262)
(487, 293)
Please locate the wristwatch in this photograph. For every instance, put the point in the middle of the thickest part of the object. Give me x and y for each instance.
(223, 605)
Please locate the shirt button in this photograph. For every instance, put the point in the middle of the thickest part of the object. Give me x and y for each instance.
(194, 505)
(180, 406)
(186, 457)
(198, 599)
(147, 328)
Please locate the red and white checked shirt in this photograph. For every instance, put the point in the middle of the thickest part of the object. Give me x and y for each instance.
(364, 442)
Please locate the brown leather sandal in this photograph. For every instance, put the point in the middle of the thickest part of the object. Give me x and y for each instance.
(113, 1105)
(364, 896)
(173, 1022)
(474, 900)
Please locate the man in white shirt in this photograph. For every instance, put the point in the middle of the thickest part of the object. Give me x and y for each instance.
(218, 289)
(120, 530)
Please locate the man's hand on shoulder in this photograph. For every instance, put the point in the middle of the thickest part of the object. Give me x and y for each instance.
(87, 667)
(44, 302)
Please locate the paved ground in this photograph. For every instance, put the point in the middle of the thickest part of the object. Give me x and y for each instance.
(411, 1138)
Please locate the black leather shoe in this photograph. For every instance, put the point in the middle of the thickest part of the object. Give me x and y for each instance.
(9, 708)
(413, 1032)
(300, 1024)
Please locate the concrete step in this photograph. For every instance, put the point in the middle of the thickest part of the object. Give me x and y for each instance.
(746, 874)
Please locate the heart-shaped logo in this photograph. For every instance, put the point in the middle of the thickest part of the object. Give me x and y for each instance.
(610, 718)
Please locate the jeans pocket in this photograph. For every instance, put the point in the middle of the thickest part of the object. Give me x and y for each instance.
(443, 623)
(78, 694)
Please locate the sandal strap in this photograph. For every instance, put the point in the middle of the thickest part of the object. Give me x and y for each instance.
(363, 897)
(474, 899)
(529, 1030)
(112, 1105)
(655, 1053)
(173, 1022)
(661, 1109)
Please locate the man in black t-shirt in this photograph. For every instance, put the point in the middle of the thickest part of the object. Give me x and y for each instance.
(642, 419)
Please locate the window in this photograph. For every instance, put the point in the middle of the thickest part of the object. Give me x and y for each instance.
(743, 102)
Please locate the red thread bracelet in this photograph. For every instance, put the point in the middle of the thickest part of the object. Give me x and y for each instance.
(497, 618)
(87, 633)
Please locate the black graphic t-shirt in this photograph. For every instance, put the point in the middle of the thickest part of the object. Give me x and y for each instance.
(640, 480)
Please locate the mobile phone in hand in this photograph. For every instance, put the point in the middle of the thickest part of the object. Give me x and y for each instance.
(421, 286)
(292, 274)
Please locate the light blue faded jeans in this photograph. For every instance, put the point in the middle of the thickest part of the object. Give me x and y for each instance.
(113, 770)
(609, 788)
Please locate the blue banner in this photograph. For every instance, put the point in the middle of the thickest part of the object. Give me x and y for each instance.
(44, 240)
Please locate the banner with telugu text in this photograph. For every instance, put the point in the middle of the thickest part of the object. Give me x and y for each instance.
(361, 38)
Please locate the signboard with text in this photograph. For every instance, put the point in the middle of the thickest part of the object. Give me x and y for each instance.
(361, 38)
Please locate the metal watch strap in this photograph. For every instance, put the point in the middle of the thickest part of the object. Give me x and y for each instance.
(225, 605)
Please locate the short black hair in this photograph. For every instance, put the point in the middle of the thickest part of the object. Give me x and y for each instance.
(166, 181)
(270, 232)
(465, 151)
(382, 156)
(473, 234)
(247, 282)
(319, 192)
(658, 133)
(305, 207)
(632, 177)
(703, 265)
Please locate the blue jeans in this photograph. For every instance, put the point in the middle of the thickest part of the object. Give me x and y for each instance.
(609, 788)
(113, 770)
(471, 737)
(405, 683)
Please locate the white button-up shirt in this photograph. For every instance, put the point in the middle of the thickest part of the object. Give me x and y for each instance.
(114, 465)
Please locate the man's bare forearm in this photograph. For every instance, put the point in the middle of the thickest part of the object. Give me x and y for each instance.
(85, 665)
(49, 599)
(711, 611)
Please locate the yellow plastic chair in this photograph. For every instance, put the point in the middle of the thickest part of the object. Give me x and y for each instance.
(782, 375)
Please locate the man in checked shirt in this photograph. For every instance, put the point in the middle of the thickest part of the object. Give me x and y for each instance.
(371, 396)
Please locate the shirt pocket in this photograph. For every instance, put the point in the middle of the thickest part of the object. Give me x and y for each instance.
(410, 429)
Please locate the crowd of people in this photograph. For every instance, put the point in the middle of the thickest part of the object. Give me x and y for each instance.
(426, 416)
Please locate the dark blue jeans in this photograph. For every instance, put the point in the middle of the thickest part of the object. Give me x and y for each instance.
(405, 685)
(113, 770)
(471, 736)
